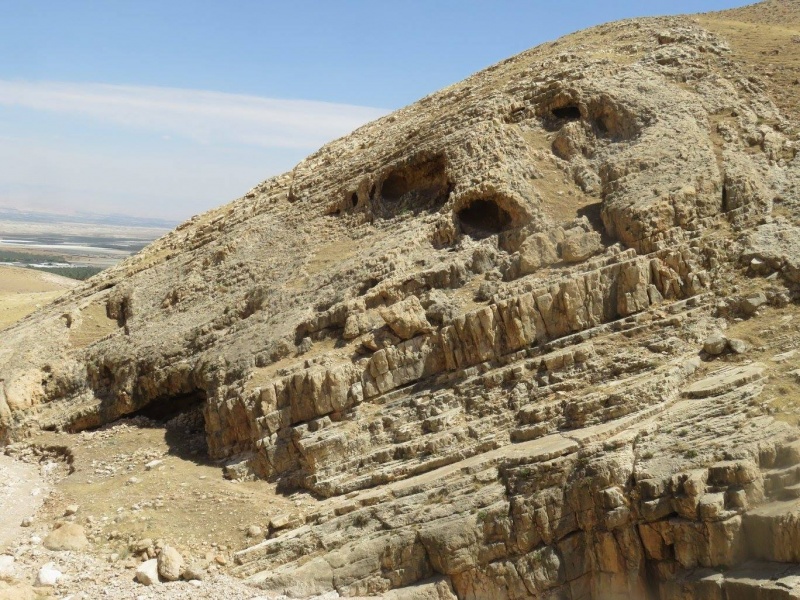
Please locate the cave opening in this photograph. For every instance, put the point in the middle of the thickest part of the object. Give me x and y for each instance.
(569, 112)
(415, 187)
(166, 408)
(183, 419)
(394, 187)
(354, 199)
(482, 218)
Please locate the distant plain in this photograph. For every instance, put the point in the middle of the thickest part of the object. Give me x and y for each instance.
(43, 255)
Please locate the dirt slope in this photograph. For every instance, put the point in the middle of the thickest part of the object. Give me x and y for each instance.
(766, 38)
(24, 290)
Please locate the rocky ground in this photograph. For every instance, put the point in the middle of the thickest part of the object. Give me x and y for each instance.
(131, 488)
(535, 335)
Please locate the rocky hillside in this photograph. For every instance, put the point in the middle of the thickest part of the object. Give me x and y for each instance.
(533, 336)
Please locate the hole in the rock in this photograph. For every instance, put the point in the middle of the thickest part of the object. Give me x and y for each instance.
(164, 408)
(182, 417)
(570, 112)
(354, 199)
(394, 187)
(482, 218)
(415, 187)
(367, 285)
(593, 212)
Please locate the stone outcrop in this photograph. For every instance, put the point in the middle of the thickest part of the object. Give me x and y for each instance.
(488, 332)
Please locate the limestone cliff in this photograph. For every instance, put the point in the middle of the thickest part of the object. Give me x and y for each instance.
(477, 327)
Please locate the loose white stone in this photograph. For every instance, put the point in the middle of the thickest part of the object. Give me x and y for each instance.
(48, 575)
(147, 572)
(6, 566)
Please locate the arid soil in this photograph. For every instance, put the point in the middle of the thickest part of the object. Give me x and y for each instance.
(139, 479)
(22, 291)
(766, 37)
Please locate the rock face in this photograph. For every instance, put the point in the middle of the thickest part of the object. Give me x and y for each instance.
(476, 327)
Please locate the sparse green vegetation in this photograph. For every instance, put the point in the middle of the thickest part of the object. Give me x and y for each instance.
(360, 520)
(79, 273)
(28, 259)
(12, 256)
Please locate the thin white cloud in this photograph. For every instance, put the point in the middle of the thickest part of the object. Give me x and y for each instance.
(202, 116)
(151, 181)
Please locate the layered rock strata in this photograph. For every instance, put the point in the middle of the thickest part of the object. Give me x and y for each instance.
(474, 330)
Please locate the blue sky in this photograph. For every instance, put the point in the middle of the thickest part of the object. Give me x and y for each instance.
(167, 108)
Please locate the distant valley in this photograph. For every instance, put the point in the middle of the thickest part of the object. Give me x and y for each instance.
(75, 245)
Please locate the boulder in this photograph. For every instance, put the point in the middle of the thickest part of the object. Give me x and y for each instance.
(48, 575)
(254, 531)
(7, 568)
(738, 346)
(170, 564)
(194, 572)
(537, 251)
(147, 572)
(406, 318)
(580, 246)
(753, 302)
(66, 536)
(715, 344)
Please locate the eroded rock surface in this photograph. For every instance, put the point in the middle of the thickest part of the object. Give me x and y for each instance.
(476, 328)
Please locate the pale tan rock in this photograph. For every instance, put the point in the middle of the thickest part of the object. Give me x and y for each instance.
(715, 344)
(580, 246)
(194, 572)
(390, 327)
(147, 572)
(738, 346)
(170, 564)
(537, 251)
(406, 318)
(66, 536)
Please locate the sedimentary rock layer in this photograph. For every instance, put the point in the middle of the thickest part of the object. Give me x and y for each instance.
(476, 328)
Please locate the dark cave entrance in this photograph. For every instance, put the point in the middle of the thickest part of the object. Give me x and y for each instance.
(395, 187)
(416, 187)
(569, 112)
(166, 408)
(482, 218)
(183, 419)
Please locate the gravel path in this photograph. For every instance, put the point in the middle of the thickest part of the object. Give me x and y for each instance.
(22, 491)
